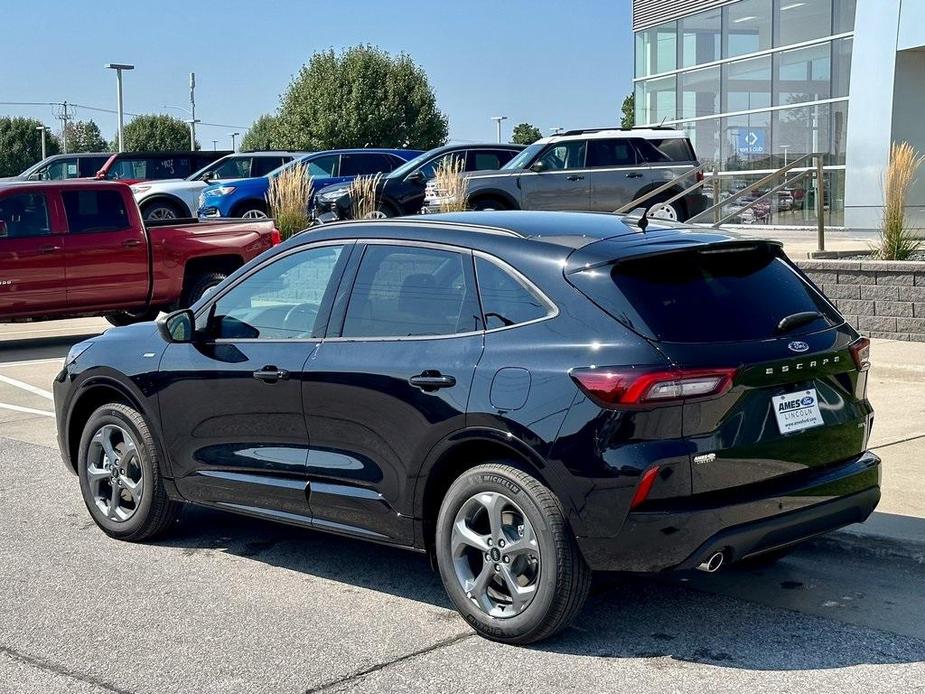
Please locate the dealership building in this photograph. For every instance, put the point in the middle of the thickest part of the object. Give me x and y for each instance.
(758, 84)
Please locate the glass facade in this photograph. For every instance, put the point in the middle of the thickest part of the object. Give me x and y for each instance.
(756, 84)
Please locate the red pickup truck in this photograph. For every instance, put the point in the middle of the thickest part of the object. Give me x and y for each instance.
(80, 248)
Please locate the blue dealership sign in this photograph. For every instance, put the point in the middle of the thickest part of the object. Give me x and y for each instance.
(751, 141)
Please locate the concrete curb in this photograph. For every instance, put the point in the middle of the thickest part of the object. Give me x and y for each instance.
(874, 541)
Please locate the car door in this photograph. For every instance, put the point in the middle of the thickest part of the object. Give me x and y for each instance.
(615, 171)
(231, 401)
(105, 251)
(558, 179)
(32, 269)
(391, 380)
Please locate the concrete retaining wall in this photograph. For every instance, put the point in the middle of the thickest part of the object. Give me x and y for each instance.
(881, 298)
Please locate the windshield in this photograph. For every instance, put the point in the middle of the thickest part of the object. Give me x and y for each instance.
(209, 167)
(521, 160)
(411, 165)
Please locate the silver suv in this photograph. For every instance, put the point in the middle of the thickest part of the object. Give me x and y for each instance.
(598, 170)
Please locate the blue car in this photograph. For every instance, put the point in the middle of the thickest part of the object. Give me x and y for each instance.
(247, 197)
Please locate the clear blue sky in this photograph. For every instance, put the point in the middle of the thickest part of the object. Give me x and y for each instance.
(553, 64)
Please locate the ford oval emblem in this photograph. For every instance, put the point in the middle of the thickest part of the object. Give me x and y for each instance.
(807, 401)
(798, 346)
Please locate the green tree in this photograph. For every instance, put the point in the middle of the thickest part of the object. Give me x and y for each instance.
(358, 98)
(261, 134)
(628, 119)
(85, 136)
(155, 133)
(525, 134)
(21, 144)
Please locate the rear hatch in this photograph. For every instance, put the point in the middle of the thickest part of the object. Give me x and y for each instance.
(797, 402)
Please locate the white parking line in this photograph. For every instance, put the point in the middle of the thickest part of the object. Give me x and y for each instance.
(27, 387)
(30, 362)
(27, 410)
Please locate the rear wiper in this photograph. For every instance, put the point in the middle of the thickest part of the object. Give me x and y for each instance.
(795, 320)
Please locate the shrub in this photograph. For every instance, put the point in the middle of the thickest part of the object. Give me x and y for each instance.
(451, 185)
(364, 204)
(288, 199)
(896, 241)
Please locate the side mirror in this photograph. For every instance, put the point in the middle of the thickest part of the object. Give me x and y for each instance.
(3, 230)
(537, 167)
(415, 177)
(208, 177)
(179, 326)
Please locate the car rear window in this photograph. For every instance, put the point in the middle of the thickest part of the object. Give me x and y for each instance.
(712, 295)
(675, 149)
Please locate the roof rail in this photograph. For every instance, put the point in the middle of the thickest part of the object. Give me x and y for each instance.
(585, 131)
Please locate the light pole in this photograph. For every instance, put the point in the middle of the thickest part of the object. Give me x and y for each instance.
(41, 128)
(119, 67)
(214, 145)
(497, 120)
(233, 136)
(556, 130)
(192, 105)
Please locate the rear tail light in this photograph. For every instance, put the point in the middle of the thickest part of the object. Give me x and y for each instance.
(275, 237)
(860, 350)
(645, 486)
(622, 386)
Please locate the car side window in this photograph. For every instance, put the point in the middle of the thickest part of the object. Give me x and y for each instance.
(61, 169)
(234, 168)
(323, 167)
(506, 300)
(23, 216)
(481, 160)
(430, 168)
(264, 165)
(358, 164)
(404, 291)
(565, 155)
(90, 211)
(617, 152)
(281, 301)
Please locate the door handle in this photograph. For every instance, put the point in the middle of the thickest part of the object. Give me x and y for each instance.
(49, 248)
(431, 380)
(574, 177)
(130, 243)
(271, 374)
(634, 175)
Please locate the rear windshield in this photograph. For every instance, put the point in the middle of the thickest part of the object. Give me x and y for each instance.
(720, 295)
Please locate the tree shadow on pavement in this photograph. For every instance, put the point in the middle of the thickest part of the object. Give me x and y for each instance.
(625, 617)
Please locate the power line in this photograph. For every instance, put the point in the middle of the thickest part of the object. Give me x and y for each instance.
(106, 110)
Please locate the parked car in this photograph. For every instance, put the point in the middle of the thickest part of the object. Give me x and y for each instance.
(58, 167)
(132, 167)
(80, 248)
(599, 170)
(528, 396)
(403, 191)
(180, 198)
(248, 196)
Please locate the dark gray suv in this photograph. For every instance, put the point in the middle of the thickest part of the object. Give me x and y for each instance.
(598, 170)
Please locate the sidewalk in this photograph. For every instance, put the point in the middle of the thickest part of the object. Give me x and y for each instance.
(896, 387)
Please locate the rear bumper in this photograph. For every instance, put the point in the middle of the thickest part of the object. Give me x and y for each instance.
(682, 538)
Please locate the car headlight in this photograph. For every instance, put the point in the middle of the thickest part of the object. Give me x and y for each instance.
(222, 191)
(333, 194)
(76, 351)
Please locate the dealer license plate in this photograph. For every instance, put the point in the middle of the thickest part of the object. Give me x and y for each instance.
(797, 411)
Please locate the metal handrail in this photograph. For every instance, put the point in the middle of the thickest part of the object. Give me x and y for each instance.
(776, 189)
(661, 189)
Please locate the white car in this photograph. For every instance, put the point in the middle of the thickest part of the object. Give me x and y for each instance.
(178, 198)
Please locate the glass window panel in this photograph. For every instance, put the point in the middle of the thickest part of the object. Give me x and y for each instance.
(704, 136)
(748, 84)
(700, 93)
(804, 74)
(656, 100)
(746, 142)
(657, 49)
(802, 20)
(844, 16)
(701, 37)
(841, 66)
(24, 215)
(747, 27)
(800, 131)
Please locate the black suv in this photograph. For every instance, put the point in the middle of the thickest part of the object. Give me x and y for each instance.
(529, 396)
(403, 191)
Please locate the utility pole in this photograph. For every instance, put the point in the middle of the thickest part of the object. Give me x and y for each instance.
(42, 129)
(118, 67)
(64, 117)
(192, 105)
(497, 120)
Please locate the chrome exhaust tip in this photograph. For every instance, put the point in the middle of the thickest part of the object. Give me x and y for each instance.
(712, 564)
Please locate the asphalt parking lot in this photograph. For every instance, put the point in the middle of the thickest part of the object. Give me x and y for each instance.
(230, 604)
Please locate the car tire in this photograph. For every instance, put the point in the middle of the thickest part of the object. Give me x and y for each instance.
(131, 503)
(161, 209)
(485, 204)
(657, 209)
(128, 318)
(200, 286)
(504, 509)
